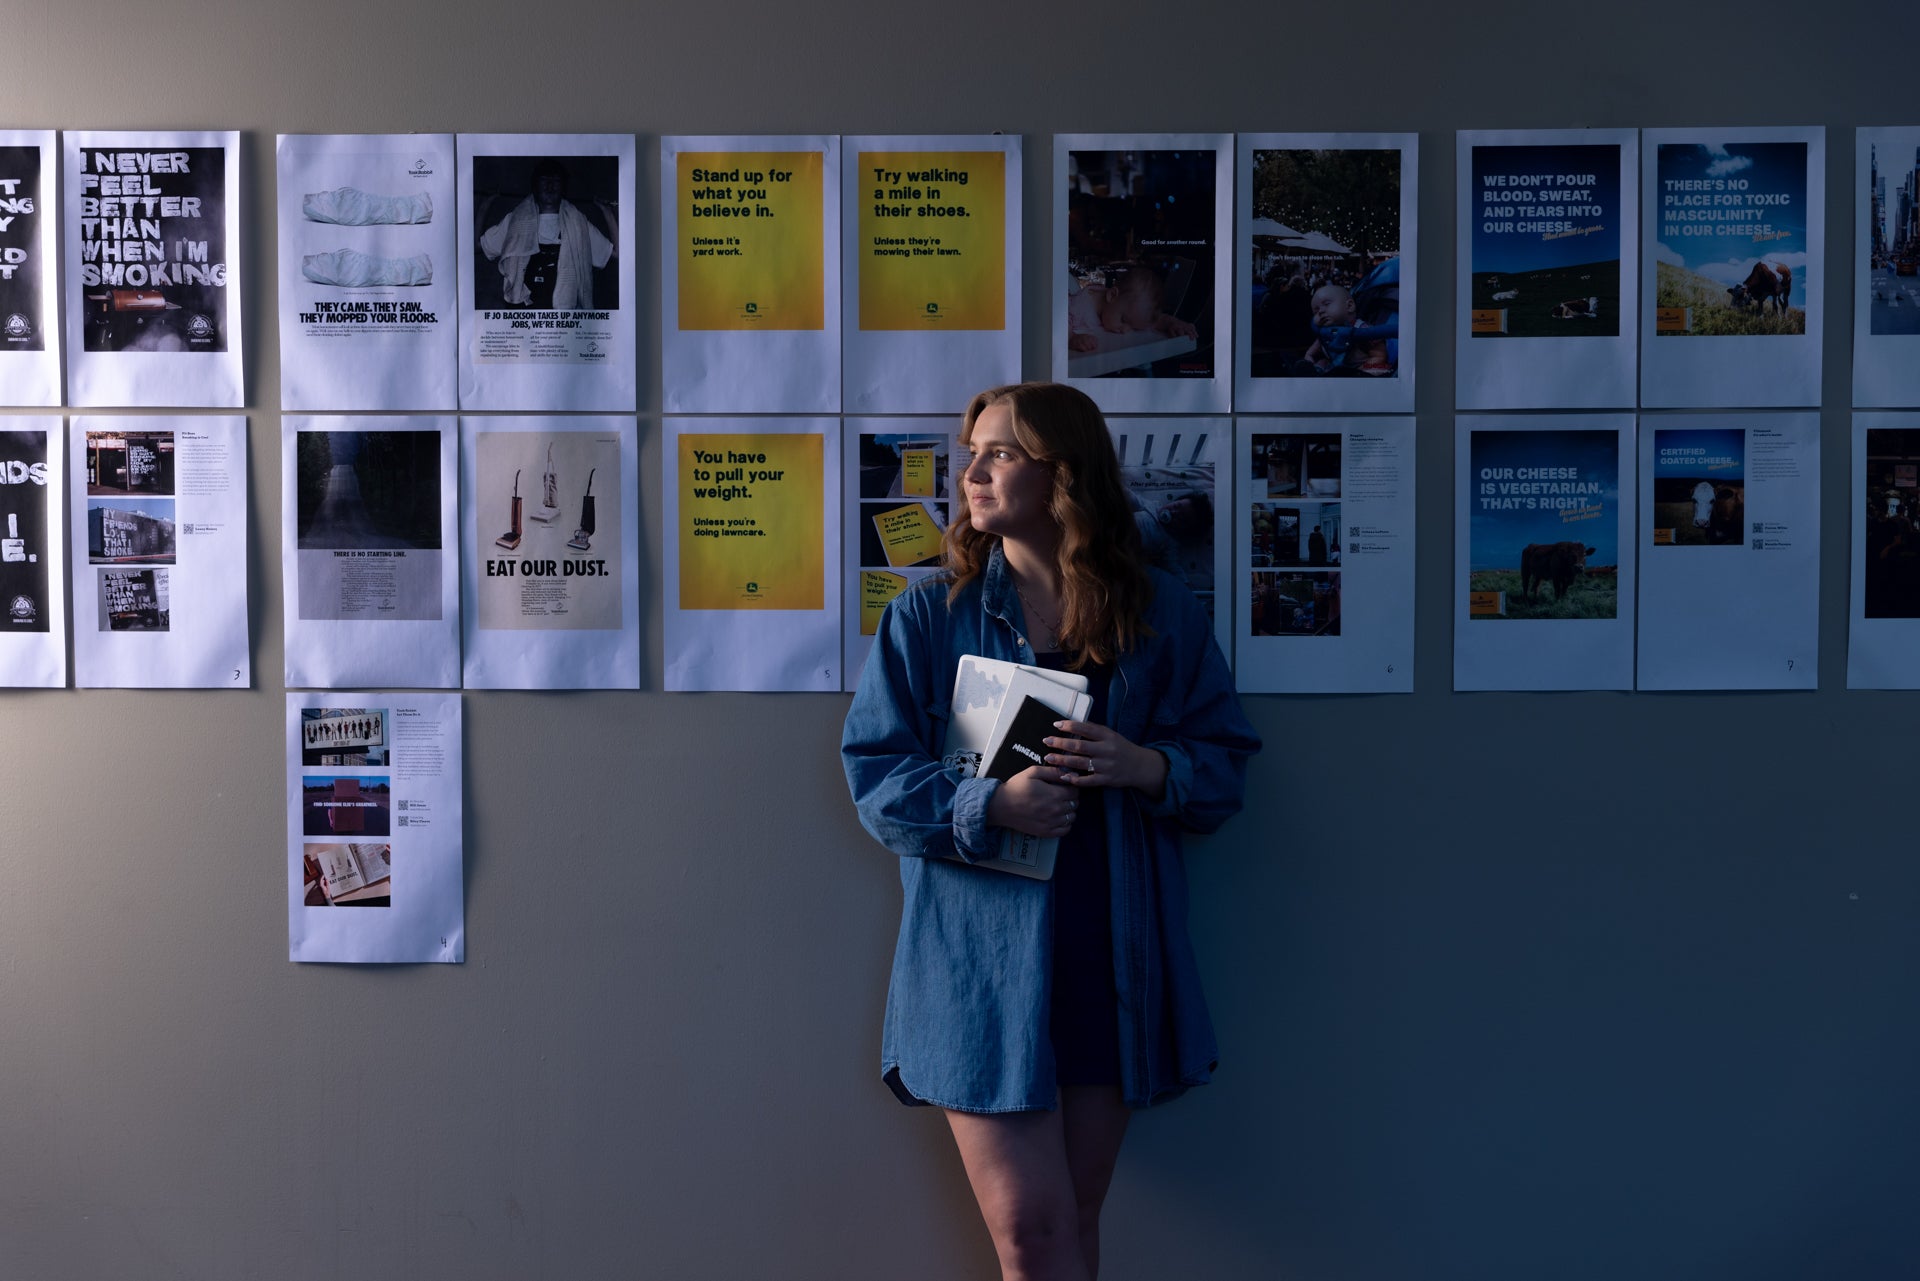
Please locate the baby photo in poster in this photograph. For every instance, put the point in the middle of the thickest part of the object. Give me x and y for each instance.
(1546, 242)
(1731, 239)
(26, 565)
(153, 251)
(1545, 538)
(23, 319)
(1699, 487)
(368, 524)
(1141, 241)
(549, 537)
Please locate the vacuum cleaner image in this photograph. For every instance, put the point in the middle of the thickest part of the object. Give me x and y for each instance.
(511, 539)
(549, 509)
(582, 538)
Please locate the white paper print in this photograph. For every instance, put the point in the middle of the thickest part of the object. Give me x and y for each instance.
(1883, 628)
(547, 301)
(930, 242)
(1546, 282)
(159, 529)
(750, 274)
(1142, 292)
(1324, 279)
(33, 620)
(373, 828)
(1325, 517)
(1543, 543)
(29, 275)
(898, 489)
(368, 304)
(1886, 268)
(152, 251)
(550, 529)
(1730, 551)
(1733, 271)
(1175, 471)
(752, 588)
(368, 551)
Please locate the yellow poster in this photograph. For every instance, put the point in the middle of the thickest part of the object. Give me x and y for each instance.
(918, 478)
(933, 239)
(752, 246)
(907, 534)
(877, 587)
(752, 521)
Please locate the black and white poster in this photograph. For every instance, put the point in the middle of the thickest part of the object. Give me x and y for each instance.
(546, 275)
(29, 310)
(152, 247)
(33, 627)
(367, 271)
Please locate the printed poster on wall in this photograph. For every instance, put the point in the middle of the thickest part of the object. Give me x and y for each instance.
(1545, 278)
(550, 522)
(1735, 227)
(152, 250)
(367, 270)
(372, 581)
(1883, 629)
(29, 306)
(1175, 471)
(159, 530)
(33, 630)
(752, 599)
(750, 274)
(1142, 304)
(1543, 548)
(898, 488)
(930, 247)
(1886, 273)
(1325, 515)
(373, 824)
(1730, 551)
(547, 301)
(1324, 285)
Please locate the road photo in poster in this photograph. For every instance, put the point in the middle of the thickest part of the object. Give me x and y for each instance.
(1324, 282)
(1548, 293)
(367, 518)
(1886, 254)
(550, 532)
(374, 819)
(750, 274)
(1325, 514)
(930, 247)
(1141, 311)
(1175, 471)
(1730, 542)
(1883, 631)
(368, 304)
(153, 282)
(33, 628)
(29, 306)
(1731, 280)
(898, 491)
(1543, 552)
(160, 593)
(546, 272)
(752, 602)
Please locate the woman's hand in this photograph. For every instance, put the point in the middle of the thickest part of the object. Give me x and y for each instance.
(1098, 757)
(1039, 801)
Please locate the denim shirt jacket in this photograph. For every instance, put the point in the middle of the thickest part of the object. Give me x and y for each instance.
(967, 1005)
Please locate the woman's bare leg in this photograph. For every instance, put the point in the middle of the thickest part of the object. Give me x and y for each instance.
(1094, 1121)
(1017, 1163)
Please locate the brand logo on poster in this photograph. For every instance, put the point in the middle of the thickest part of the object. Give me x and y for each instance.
(200, 328)
(23, 610)
(420, 169)
(18, 326)
(753, 589)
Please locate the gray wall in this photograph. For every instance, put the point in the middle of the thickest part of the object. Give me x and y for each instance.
(1509, 986)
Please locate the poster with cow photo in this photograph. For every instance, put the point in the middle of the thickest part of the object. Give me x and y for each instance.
(1543, 552)
(1548, 295)
(1883, 630)
(1735, 226)
(1730, 566)
(1886, 268)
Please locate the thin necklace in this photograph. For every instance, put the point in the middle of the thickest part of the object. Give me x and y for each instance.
(1053, 627)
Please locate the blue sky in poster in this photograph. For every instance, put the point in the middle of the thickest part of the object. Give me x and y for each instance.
(1509, 236)
(1721, 209)
(1692, 452)
(157, 508)
(1527, 487)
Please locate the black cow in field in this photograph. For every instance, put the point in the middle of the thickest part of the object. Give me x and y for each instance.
(1768, 281)
(1556, 563)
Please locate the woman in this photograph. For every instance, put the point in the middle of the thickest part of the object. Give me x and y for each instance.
(1037, 1013)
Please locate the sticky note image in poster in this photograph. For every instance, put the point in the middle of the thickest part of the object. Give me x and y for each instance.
(1731, 239)
(1699, 487)
(1545, 540)
(754, 520)
(908, 535)
(752, 249)
(918, 478)
(877, 587)
(1546, 242)
(933, 240)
